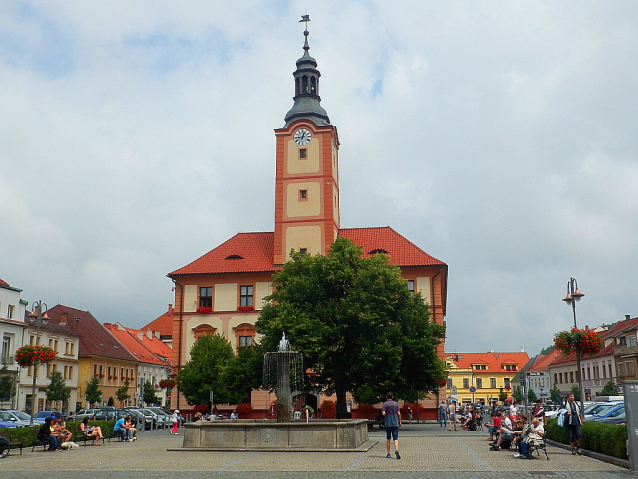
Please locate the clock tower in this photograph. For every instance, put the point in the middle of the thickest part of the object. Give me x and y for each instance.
(306, 182)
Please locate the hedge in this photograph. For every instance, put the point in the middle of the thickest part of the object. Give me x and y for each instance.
(27, 435)
(606, 439)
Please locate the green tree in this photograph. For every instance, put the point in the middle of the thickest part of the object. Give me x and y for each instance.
(547, 350)
(57, 390)
(575, 390)
(243, 373)
(517, 394)
(122, 394)
(609, 390)
(531, 396)
(357, 325)
(205, 371)
(148, 394)
(93, 393)
(502, 395)
(7, 385)
(554, 392)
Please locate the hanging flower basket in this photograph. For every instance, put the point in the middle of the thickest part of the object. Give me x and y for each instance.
(28, 355)
(567, 341)
(167, 383)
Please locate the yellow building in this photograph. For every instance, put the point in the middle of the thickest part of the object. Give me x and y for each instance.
(480, 377)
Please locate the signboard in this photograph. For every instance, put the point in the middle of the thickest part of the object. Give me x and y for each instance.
(211, 397)
(472, 389)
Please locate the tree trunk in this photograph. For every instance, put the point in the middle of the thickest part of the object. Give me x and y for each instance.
(340, 391)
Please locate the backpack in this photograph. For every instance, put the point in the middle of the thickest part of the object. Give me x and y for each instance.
(560, 419)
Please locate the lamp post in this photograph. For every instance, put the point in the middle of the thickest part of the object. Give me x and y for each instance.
(38, 317)
(573, 297)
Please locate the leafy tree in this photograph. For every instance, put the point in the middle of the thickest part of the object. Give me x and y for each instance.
(531, 396)
(93, 393)
(575, 390)
(57, 390)
(502, 395)
(148, 393)
(517, 394)
(205, 371)
(243, 373)
(122, 394)
(357, 325)
(554, 392)
(547, 350)
(7, 386)
(609, 390)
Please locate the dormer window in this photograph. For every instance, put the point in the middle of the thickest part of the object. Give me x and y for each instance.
(234, 256)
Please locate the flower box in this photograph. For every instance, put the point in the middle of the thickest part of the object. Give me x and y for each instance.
(246, 308)
(205, 310)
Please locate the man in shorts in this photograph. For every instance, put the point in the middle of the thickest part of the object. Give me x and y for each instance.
(574, 422)
(392, 420)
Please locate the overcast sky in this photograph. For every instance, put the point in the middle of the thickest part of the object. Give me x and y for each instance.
(500, 137)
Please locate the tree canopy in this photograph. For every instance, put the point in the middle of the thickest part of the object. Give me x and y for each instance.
(148, 394)
(57, 390)
(205, 371)
(93, 393)
(357, 325)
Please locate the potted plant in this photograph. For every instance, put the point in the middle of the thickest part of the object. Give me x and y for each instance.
(568, 341)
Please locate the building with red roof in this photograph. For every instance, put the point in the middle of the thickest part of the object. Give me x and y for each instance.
(481, 377)
(224, 290)
(153, 366)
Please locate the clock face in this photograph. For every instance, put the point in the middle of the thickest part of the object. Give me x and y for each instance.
(302, 136)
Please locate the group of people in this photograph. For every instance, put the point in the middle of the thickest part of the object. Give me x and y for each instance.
(468, 416)
(54, 433)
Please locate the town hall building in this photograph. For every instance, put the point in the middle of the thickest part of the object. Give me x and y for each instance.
(223, 291)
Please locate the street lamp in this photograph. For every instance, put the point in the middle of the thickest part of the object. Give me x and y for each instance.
(38, 317)
(573, 297)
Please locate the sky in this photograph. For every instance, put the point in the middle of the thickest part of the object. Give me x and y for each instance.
(501, 137)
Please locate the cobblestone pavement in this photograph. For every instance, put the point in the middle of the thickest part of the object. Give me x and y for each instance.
(426, 449)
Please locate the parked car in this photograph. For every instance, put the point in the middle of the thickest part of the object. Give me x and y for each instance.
(619, 420)
(19, 418)
(90, 413)
(150, 421)
(610, 411)
(9, 424)
(168, 414)
(115, 414)
(160, 420)
(45, 414)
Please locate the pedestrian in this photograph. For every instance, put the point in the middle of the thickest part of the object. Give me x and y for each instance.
(574, 422)
(4, 446)
(309, 411)
(451, 417)
(392, 418)
(175, 420)
(442, 414)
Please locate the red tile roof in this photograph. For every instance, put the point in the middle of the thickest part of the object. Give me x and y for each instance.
(541, 362)
(136, 346)
(570, 358)
(163, 324)
(493, 360)
(3, 282)
(253, 252)
(618, 328)
(95, 340)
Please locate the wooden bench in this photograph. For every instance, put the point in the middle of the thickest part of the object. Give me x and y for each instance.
(39, 440)
(14, 441)
(540, 447)
(78, 436)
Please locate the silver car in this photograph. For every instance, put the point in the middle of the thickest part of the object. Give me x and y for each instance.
(19, 418)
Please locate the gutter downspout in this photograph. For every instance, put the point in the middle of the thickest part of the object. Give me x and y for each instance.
(181, 329)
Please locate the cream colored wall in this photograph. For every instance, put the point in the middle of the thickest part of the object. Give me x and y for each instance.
(225, 297)
(310, 164)
(236, 321)
(296, 207)
(190, 298)
(303, 237)
(335, 206)
(423, 287)
(261, 291)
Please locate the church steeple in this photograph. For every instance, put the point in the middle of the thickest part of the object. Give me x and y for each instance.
(307, 180)
(307, 100)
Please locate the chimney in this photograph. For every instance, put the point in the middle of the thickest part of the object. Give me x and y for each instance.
(107, 325)
(149, 334)
(170, 309)
(64, 317)
(158, 335)
(627, 317)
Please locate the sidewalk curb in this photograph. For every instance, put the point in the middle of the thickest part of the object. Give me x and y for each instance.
(616, 461)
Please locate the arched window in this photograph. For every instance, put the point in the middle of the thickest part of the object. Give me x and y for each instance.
(203, 330)
(245, 334)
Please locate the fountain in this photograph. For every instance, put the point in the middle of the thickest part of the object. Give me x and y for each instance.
(283, 372)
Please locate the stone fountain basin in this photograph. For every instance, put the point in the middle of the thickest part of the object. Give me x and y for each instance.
(269, 435)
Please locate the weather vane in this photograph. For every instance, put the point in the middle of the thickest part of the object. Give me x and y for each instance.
(306, 19)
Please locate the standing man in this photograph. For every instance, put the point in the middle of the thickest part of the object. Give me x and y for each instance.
(574, 420)
(175, 421)
(442, 414)
(392, 417)
(451, 417)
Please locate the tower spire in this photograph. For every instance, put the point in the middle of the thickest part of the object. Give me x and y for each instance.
(307, 100)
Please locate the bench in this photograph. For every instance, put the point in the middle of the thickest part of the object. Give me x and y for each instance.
(80, 436)
(14, 441)
(540, 447)
(39, 440)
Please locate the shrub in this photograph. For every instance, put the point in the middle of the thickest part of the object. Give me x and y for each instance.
(244, 408)
(607, 439)
(327, 409)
